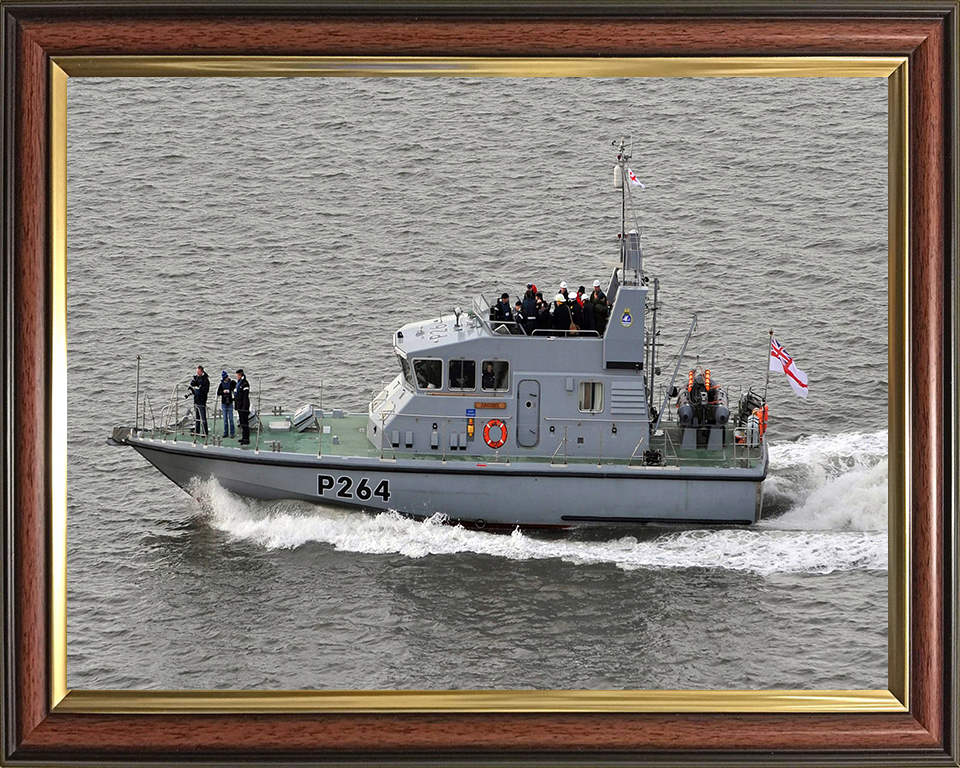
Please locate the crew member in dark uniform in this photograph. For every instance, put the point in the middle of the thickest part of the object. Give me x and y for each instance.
(225, 393)
(601, 307)
(489, 379)
(529, 308)
(543, 313)
(586, 304)
(241, 399)
(199, 387)
(562, 317)
(501, 310)
(576, 309)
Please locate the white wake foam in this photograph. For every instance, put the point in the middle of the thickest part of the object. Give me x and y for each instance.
(839, 450)
(288, 525)
(829, 482)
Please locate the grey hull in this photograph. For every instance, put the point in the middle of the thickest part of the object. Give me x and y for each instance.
(521, 493)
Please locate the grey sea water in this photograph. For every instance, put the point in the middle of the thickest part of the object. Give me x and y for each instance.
(289, 226)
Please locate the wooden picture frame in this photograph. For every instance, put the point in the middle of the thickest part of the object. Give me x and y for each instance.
(916, 721)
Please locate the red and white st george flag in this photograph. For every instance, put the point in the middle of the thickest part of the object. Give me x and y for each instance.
(634, 180)
(781, 362)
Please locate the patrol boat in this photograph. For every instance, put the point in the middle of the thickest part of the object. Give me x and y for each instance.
(481, 414)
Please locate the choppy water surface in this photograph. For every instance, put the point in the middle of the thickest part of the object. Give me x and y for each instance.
(289, 226)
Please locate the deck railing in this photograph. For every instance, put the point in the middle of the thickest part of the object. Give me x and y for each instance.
(177, 419)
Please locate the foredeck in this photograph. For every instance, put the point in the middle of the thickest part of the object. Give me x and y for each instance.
(347, 436)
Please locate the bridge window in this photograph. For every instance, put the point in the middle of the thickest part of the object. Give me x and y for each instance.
(463, 374)
(591, 397)
(407, 370)
(496, 376)
(429, 373)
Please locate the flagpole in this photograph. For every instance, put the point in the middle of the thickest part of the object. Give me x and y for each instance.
(767, 382)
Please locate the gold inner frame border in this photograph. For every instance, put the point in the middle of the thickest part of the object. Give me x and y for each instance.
(895, 699)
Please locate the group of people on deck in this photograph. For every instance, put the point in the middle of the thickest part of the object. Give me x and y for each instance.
(234, 395)
(568, 313)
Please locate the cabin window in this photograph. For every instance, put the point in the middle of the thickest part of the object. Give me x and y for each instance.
(429, 373)
(591, 397)
(463, 374)
(407, 370)
(496, 376)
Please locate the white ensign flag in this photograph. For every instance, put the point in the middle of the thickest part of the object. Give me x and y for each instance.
(781, 362)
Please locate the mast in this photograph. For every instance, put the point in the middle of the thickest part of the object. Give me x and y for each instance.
(652, 368)
(620, 179)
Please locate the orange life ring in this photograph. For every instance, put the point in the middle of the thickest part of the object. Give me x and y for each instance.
(498, 443)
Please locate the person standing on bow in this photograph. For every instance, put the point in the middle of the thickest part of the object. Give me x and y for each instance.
(199, 387)
(225, 393)
(241, 401)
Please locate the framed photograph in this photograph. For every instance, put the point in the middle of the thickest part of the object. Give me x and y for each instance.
(282, 188)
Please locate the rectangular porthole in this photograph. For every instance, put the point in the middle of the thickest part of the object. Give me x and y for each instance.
(496, 376)
(429, 373)
(591, 397)
(463, 374)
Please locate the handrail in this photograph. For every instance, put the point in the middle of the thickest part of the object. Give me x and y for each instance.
(586, 334)
(260, 414)
(596, 421)
(454, 417)
(511, 325)
(148, 403)
(563, 444)
(164, 414)
(673, 449)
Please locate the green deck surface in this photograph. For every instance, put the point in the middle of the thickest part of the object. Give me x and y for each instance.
(351, 431)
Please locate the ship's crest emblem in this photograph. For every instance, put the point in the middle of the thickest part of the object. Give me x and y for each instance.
(626, 319)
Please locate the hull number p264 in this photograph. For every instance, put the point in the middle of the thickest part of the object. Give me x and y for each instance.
(343, 487)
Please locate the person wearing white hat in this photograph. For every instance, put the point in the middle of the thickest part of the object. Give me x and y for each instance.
(601, 307)
(562, 319)
(576, 306)
(563, 290)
